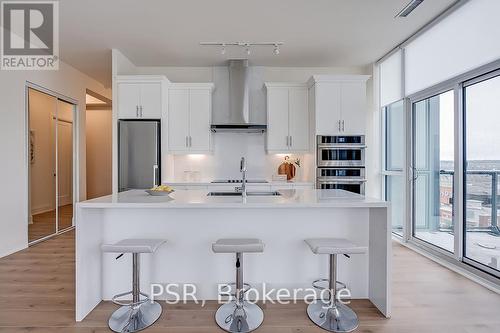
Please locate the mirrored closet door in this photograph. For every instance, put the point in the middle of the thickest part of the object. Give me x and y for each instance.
(50, 158)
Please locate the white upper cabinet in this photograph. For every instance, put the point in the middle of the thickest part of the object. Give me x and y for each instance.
(353, 107)
(151, 100)
(277, 119)
(129, 96)
(287, 117)
(298, 119)
(200, 109)
(339, 104)
(189, 116)
(140, 96)
(178, 119)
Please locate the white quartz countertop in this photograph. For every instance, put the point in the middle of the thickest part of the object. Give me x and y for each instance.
(306, 198)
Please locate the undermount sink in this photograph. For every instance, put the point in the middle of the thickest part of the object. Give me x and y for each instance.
(238, 194)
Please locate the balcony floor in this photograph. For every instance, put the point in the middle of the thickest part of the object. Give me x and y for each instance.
(475, 246)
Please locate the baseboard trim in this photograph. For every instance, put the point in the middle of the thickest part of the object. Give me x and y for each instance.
(12, 251)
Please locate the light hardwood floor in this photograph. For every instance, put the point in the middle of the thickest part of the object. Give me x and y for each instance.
(44, 224)
(37, 295)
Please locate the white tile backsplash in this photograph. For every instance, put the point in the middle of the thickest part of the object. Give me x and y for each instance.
(224, 162)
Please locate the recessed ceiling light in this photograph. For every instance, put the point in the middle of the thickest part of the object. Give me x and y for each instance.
(409, 8)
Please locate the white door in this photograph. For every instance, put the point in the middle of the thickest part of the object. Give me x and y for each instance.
(128, 100)
(178, 119)
(353, 106)
(277, 119)
(151, 100)
(199, 119)
(298, 116)
(327, 105)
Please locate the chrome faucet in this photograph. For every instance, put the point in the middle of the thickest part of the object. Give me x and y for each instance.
(243, 170)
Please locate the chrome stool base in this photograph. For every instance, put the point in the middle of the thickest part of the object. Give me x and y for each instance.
(339, 319)
(245, 319)
(135, 318)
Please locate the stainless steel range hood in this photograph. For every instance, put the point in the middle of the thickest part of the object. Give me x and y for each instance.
(239, 105)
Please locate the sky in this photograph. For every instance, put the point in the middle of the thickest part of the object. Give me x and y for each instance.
(483, 120)
(482, 110)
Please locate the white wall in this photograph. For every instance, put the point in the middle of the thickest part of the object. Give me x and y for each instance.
(373, 138)
(98, 123)
(13, 144)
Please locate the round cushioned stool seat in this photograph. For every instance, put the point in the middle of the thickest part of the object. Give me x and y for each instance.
(133, 246)
(334, 246)
(238, 245)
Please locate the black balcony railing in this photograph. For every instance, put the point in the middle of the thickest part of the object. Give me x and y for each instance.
(486, 192)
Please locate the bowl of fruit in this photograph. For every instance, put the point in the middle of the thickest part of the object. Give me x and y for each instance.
(160, 190)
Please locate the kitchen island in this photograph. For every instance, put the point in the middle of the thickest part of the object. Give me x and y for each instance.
(191, 221)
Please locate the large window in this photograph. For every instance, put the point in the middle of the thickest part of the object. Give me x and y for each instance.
(394, 163)
(482, 170)
(433, 169)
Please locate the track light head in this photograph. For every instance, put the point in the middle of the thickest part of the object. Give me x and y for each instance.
(276, 49)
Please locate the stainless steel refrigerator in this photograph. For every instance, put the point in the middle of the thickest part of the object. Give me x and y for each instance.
(139, 155)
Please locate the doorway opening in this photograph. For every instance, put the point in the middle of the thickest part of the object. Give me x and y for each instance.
(98, 136)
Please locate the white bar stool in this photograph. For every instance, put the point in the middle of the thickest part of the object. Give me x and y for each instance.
(239, 315)
(140, 313)
(333, 316)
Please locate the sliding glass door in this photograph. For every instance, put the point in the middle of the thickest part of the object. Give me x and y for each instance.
(482, 170)
(433, 170)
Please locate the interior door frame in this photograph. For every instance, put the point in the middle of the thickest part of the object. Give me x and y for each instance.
(30, 85)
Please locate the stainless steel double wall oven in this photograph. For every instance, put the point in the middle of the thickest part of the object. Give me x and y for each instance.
(341, 162)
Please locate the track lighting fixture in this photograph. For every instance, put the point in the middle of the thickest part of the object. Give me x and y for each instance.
(246, 45)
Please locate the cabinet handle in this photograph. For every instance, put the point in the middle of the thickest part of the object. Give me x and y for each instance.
(343, 127)
(186, 141)
(141, 111)
(137, 111)
(291, 140)
(287, 141)
(339, 126)
(190, 141)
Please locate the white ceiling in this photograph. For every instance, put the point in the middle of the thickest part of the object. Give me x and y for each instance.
(168, 32)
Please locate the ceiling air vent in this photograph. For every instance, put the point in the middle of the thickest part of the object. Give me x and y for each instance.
(409, 8)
